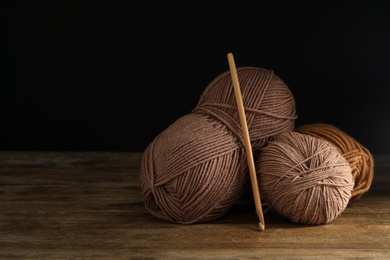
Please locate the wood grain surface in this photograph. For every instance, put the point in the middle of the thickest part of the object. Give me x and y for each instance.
(88, 205)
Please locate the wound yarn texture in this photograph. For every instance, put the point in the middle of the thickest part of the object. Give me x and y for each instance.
(359, 157)
(195, 170)
(304, 178)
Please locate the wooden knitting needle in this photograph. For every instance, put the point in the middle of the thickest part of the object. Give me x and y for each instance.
(247, 142)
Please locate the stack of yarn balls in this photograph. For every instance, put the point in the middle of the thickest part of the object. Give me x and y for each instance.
(196, 169)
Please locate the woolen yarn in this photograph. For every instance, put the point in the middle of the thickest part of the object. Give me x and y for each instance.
(304, 178)
(195, 170)
(269, 104)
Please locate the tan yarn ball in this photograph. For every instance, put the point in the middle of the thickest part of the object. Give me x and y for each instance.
(195, 170)
(359, 157)
(304, 178)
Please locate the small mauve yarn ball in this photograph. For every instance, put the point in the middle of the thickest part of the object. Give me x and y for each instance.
(304, 178)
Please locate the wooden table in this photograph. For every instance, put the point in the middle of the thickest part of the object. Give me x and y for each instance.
(88, 205)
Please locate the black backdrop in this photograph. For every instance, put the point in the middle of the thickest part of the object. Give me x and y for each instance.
(111, 75)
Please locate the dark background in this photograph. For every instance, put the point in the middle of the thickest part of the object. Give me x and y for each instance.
(111, 75)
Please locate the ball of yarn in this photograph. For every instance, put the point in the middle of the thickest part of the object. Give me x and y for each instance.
(359, 157)
(195, 170)
(269, 104)
(304, 178)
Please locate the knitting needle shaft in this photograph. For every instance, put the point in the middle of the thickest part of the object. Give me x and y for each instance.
(247, 142)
